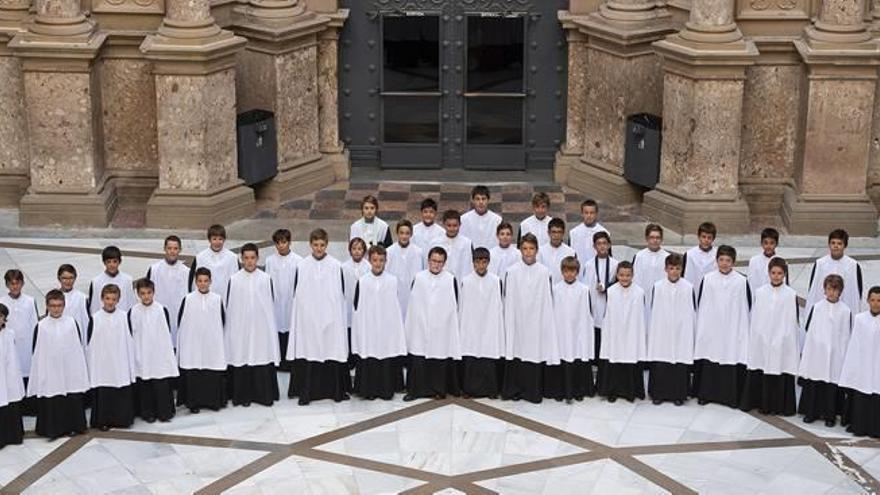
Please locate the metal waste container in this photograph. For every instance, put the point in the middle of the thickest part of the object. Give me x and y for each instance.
(257, 146)
(641, 164)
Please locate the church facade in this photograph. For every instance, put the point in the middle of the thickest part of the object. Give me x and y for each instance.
(769, 107)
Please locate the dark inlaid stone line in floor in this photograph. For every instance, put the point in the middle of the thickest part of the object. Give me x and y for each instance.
(46, 464)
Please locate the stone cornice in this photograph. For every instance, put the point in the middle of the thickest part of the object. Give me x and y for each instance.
(706, 60)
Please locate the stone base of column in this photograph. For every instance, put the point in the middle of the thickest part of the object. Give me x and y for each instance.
(133, 188)
(12, 188)
(193, 209)
(595, 181)
(685, 214)
(820, 214)
(303, 177)
(69, 209)
(873, 192)
(764, 196)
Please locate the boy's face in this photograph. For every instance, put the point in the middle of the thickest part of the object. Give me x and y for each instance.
(505, 237)
(654, 239)
(283, 247)
(556, 235)
(777, 276)
(111, 266)
(203, 283)
(589, 214)
(625, 276)
(109, 301)
(706, 239)
(404, 234)
(874, 303)
(377, 263)
(540, 210)
(428, 215)
(836, 247)
(529, 252)
(249, 260)
(673, 272)
(436, 262)
(369, 211)
(67, 280)
(318, 247)
(216, 242)
(14, 287)
(569, 275)
(602, 247)
(55, 308)
(452, 227)
(481, 266)
(769, 246)
(832, 294)
(356, 252)
(725, 264)
(172, 251)
(481, 203)
(146, 294)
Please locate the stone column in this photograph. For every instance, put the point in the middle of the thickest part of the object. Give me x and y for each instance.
(194, 67)
(573, 147)
(621, 76)
(328, 98)
(63, 106)
(704, 74)
(830, 179)
(873, 186)
(279, 72)
(14, 178)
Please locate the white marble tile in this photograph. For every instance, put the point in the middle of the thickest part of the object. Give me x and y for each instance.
(598, 477)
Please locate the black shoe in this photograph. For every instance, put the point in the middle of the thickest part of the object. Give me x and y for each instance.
(104, 428)
(678, 402)
(195, 410)
(830, 423)
(150, 419)
(246, 403)
(409, 398)
(657, 402)
(164, 420)
(612, 398)
(302, 402)
(702, 402)
(809, 419)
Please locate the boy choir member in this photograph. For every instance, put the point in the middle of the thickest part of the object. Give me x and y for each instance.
(352, 269)
(320, 349)
(222, 262)
(530, 333)
(155, 364)
(828, 331)
(721, 345)
(201, 348)
(538, 223)
(111, 361)
(505, 254)
(860, 375)
(377, 334)
(649, 264)
(670, 352)
(427, 230)
(111, 256)
(170, 277)
(405, 260)
(75, 301)
(251, 334)
(21, 321)
(773, 351)
(481, 325)
(758, 273)
(432, 332)
(480, 223)
(458, 248)
(59, 377)
(599, 273)
(623, 343)
(11, 386)
(552, 253)
(281, 267)
(572, 378)
(582, 237)
(373, 230)
(700, 259)
(838, 263)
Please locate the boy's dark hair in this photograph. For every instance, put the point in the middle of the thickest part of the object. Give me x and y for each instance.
(653, 227)
(13, 274)
(624, 265)
(556, 223)
(874, 290)
(203, 271)
(355, 241)
(377, 249)
(216, 230)
(66, 268)
(451, 215)
(281, 235)
(111, 253)
(834, 281)
(428, 203)
(707, 228)
(777, 261)
(601, 235)
(144, 283)
(55, 295)
(4, 311)
(770, 233)
(570, 263)
(404, 223)
(480, 191)
(437, 250)
(590, 202)
(481, 253)
(250, 246)
(541, 198)
(726, 250)
(503, 225)
(318, 235)
(172, 238)
(373, 200)
(110, 289)
(839, 234)
(674, 259)
(529, 239)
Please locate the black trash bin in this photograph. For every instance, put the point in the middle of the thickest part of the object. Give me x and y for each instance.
(257, 146)
(641, 164)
